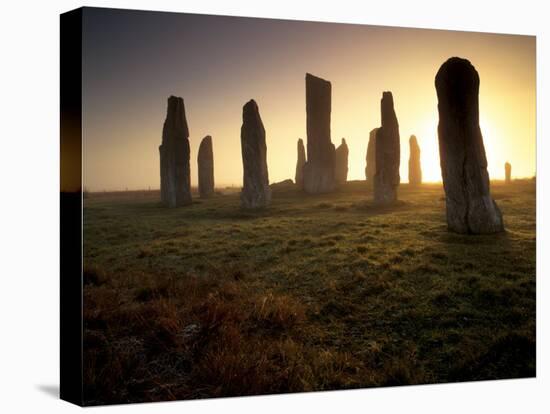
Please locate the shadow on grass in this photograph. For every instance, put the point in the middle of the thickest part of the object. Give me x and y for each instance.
(449, 237)
(373, 208)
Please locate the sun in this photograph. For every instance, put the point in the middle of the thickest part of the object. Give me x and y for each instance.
(492, 138)
(429, 146)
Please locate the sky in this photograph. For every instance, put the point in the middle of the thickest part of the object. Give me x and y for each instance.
(134, 60)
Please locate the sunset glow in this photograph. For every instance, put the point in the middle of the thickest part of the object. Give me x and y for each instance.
(132, 64)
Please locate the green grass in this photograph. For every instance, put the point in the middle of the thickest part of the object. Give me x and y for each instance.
(313, 293)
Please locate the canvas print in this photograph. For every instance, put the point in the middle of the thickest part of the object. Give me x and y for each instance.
(276, 206)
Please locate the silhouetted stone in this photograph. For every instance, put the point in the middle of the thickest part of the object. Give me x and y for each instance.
(320, 165)
(470, 208)
(370, 169)
(299, 177)
(415, 170)
(175, 175)
(285, 185)
(205, 161)
(256, 192)
(386, 179)
(341, 172)
(508, 173)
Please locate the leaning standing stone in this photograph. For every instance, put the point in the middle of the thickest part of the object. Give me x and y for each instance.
(299, 177)
(415, 170)
(320, 165)
(370, 169)
(341, 173)
(256, 192)
(508, 172)
(175, 175)
(470, 208)
(388, 153)
(205, 161)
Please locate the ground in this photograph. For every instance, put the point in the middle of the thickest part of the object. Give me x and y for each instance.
(314, 293)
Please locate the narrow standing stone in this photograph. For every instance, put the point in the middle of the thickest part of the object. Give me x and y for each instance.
(470, 208)
(341, 173)
(320, 165)
(370, 169)
(386, 179)
(415, 170)
(205, 161)
(256, 192)
(508, 172)
(299, 178)
(175, 175)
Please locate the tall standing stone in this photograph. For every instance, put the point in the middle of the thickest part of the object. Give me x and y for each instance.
(370, 169)
(470, 208)
(386, 179)
(299, 177)
(341, 172)
(205, 161)
(508, 172)
(320, 165)
(415, 170)
(175, 175)
(256, 192)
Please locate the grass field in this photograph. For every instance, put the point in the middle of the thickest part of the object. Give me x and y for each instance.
(314, 293)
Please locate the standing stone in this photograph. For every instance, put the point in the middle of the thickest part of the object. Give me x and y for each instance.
(415, 171)
(175, 175)
(470, 208)
(508, 172)
(320, 165)
(299, 178)
(205, 161)
(256, 192)
(370, 169)
(386, 179)
(341, 157)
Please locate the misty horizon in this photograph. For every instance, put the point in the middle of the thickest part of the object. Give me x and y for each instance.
(132, 62)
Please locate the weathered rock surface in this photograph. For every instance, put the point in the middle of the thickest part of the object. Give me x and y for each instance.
(370, 169)
(388, 153)
(508, 173)
(175, 174)
(205, 161)
(285, 185)
(341, 163)
(299, 177)
(319, 168)
(470, 208)
(256, 192)
(415, 170)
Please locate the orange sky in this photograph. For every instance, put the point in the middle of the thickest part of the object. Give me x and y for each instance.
(134, 60)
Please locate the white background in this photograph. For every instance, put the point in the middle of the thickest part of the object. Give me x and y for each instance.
(29, 207)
